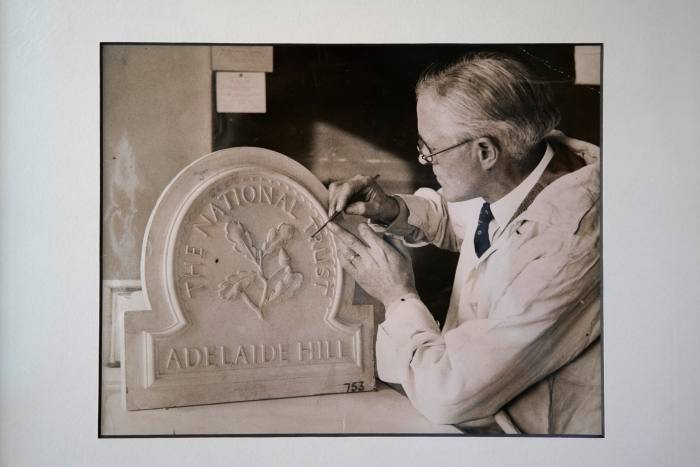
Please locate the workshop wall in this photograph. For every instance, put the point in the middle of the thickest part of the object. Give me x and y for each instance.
(156, 119)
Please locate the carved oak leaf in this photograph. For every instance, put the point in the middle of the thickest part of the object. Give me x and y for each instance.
(283, 257)
(235, 284)
(237, 234)
(284, 283)
(277, 237)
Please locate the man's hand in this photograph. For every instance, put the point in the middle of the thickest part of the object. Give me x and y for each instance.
(362, 196)
(376, 264)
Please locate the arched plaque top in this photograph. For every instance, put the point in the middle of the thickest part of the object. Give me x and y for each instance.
(232, 232)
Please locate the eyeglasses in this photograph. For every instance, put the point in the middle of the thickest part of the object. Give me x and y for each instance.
(427, 159)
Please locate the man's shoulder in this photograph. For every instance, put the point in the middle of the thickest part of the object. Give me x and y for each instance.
(563, 203)
(558, 233)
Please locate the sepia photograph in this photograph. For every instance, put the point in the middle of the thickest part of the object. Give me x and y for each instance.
(350, 239)
(369, 233)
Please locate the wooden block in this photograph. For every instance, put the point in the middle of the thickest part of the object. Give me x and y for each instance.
(240, 92)
(587, 58)
(241, 58)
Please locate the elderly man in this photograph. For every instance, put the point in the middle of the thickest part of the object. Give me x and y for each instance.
(521, 343)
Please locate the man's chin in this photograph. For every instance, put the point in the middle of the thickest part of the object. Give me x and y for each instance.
(455, 197)
(450, 195)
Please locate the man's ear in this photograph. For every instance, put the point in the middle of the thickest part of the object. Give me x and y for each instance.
(488, 152)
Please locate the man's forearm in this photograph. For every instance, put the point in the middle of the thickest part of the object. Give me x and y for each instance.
(422, 219)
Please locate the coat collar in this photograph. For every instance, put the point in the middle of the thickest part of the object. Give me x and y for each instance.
(565, 192)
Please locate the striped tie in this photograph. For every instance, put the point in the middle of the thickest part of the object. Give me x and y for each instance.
(481, 236)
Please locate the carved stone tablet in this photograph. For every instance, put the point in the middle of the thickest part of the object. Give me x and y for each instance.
(244, 303)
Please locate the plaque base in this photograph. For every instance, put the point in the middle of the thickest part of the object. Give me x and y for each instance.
(213, 388)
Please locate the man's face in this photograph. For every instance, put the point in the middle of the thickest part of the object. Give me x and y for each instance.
(458, 170)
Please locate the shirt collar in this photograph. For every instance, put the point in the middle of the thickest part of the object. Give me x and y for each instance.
(504, 209)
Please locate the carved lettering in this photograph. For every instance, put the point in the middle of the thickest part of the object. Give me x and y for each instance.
(191, 250)
(326, 287)
(320, 350)
(322, 271)
(282, 200)
(252, 353)
(248, 193)
(191, 270)
(224, 197)
(240, 354)
(172, 357)
(223, 360)
(261, 194)
(263, 353)
(236, 199)
(282, 350)
(313, 225)
(221, 357)
(302, 349)
(340, 349)
(319, 237)
(198, 226)
(318, 256)
(197, 356)
(189, 288)
(218, 213)
(291, 209)
(208, 356)
(309, 349)
(266, 194)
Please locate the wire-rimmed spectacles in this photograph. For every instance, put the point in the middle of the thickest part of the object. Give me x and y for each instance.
(428, 159)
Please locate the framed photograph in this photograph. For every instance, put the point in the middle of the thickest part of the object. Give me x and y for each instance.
(456, 291)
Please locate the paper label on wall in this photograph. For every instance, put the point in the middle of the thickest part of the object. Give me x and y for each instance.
(240, 92)
(587, 59)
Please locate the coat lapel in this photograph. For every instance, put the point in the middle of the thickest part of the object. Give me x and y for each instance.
(564, 162)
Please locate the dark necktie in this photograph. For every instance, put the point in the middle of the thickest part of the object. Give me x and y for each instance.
(481, 236)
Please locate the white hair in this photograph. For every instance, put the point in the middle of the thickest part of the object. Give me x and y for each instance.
(495, 96)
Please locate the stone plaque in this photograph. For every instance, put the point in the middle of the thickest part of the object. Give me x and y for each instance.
(243, 303)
